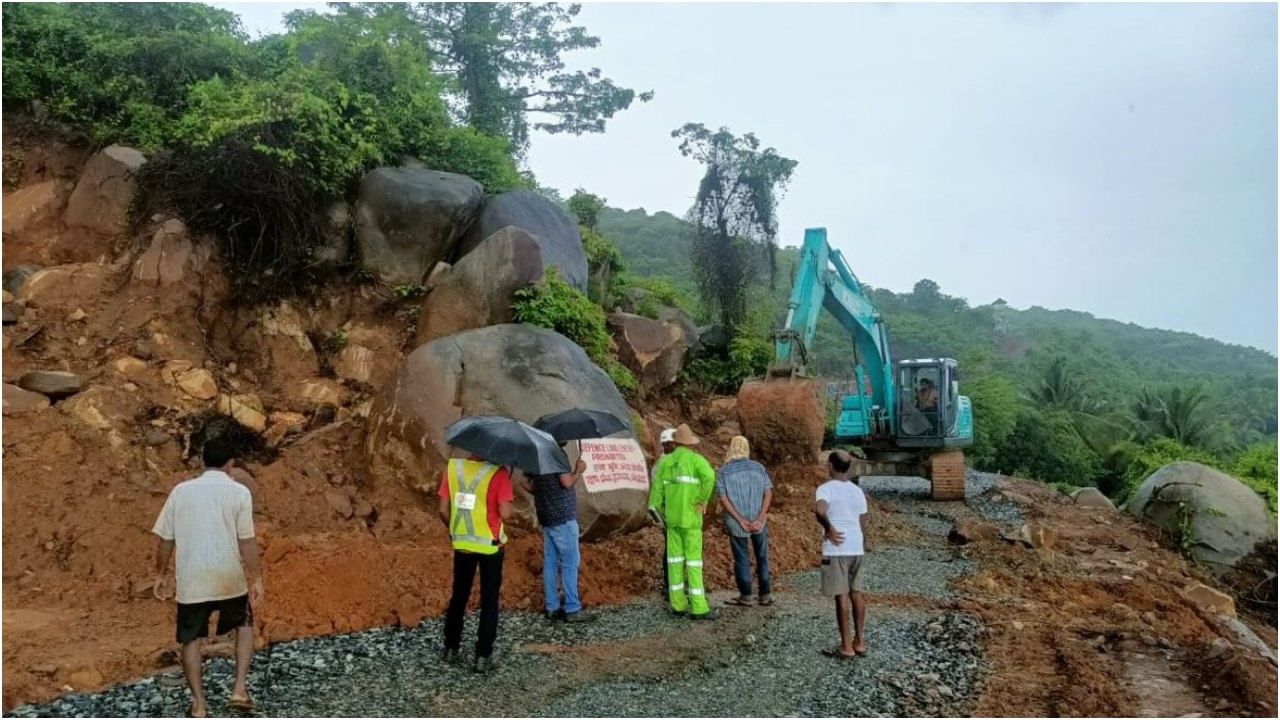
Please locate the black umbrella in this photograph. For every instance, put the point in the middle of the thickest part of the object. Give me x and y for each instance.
(577, 424)
(503, 441)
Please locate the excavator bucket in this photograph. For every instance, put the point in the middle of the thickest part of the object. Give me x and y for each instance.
(783, 419)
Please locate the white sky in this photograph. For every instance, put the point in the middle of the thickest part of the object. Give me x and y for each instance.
(1117, 159)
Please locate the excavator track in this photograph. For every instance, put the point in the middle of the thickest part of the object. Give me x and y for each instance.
(945, 472)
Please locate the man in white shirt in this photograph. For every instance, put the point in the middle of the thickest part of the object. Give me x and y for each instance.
(841, 509)
(209, 520)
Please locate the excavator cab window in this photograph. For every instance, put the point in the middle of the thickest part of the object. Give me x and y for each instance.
(921, 403)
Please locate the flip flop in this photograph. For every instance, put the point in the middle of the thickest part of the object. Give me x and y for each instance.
(738, 602)
(766, 603)
(835, 653)
(244, 705)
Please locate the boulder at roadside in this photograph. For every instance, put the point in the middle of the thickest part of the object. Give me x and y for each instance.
(1223, 517)
(1091, 497)
(516, 371)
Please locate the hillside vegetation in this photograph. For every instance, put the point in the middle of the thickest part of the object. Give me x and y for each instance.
(1059, 395)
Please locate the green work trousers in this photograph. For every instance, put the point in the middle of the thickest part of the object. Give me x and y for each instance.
(684, 550)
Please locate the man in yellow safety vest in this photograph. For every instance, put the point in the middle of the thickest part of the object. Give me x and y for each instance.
(475, 500)
(682, 485)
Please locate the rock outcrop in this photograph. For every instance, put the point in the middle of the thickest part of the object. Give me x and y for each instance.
(169, 257)
(517, 371)
(555, 231)
(409, 219)
(651, 349)
(1224, 518)
(477, 291)
(100, 203)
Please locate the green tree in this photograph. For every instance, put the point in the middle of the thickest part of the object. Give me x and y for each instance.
(734, 214)
(505, 64)
(586, 207)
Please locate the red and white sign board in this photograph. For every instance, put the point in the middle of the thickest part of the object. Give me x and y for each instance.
(613, 464)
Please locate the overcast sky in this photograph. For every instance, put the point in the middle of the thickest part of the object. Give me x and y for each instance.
(1117, 159)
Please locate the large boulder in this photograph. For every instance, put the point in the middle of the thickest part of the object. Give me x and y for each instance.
(653, 350)
(478, 290)
(100, 203)
(555, 231)
(517, 371)
(408, 219)
(1224, 519)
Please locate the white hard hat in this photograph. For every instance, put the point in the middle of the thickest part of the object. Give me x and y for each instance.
(668, 435)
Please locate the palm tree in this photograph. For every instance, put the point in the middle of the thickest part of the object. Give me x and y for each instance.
(1059, 388)
(1176, 413)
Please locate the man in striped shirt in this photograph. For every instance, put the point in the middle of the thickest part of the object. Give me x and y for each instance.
(745, 495)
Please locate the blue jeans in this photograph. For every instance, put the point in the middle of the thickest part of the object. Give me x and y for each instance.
(742, 564)
(560, 563)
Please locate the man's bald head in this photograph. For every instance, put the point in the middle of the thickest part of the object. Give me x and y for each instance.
(840, 461)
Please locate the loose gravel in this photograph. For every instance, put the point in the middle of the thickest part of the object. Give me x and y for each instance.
(628, 661)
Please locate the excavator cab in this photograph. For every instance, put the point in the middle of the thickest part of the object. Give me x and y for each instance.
(931, 411)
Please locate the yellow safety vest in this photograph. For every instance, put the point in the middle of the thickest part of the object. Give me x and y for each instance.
(469, 507)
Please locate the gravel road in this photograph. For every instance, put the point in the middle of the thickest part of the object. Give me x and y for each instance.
(636, 660)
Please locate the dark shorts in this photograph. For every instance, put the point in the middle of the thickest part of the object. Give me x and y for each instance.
(193, 618)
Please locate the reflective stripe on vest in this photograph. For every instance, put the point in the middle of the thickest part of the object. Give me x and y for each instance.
(469, 529)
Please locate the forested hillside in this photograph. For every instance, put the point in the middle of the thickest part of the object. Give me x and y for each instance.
(1059, 394)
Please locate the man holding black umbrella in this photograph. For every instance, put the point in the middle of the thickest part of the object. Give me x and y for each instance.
(555, 501)
(475, 500)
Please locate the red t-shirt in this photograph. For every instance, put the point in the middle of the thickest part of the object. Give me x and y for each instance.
(500, 491)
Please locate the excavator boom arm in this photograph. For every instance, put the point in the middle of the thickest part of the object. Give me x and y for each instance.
(824, 280)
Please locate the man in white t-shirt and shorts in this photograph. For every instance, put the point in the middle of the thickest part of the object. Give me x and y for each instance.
(841, 509)
(209, 521)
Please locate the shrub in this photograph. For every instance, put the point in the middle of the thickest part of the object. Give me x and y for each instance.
(555, 304)
(747, 357)
(1146, 458)
(1256, 467)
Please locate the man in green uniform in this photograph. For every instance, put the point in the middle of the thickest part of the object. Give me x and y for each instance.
(682, 484)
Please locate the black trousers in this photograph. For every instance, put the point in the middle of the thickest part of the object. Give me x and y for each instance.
(464, 573)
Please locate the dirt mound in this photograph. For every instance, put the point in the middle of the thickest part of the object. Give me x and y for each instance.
(784, 420)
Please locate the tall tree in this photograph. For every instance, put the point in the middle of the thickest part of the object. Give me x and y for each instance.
(505, 63)
(734, 214)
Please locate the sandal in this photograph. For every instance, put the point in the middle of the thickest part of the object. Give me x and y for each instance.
(740, 602)
(835, 653)
(766, 601)
(244, 705)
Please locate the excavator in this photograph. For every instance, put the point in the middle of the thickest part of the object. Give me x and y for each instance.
(908, 418)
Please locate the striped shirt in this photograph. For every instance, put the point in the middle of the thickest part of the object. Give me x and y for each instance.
(744, 482)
